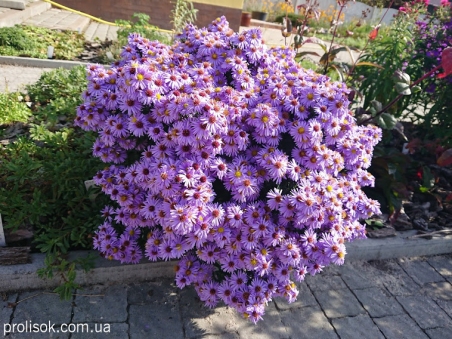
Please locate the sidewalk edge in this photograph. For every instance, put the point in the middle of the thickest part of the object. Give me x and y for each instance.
(41, 63)
(23, 277)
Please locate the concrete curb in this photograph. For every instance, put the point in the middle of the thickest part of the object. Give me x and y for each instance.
(41, 63)
(23, 277)
(13, 4)
(13, 17)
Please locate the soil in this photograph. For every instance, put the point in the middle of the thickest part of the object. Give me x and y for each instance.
(424, 187)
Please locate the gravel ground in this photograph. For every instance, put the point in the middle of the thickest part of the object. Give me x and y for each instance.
(14, 78)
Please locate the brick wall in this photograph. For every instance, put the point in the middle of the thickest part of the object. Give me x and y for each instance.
(158, 10)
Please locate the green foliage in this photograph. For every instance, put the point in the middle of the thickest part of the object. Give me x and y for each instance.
(389, 166)
(13, 108)
(388, 51)
(309, 64)
(33, 41)
(15, 38)
(42, 175)
(432, 104)
(183, 14)
(57, 94)
(139, 24)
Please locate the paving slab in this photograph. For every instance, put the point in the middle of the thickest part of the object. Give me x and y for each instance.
(325, 282)
(359, 275)
(155, 321)
(101, 304)
(12, 17)
(442, 264)
(305, 298)
(394, 278)
(425, 312)
(6, 307)
(112, 33)
(440, 333)
(101, 331)
(378, 302)
(360, 326)
(400, 327)
(308, 323)
(42, 307)
(56, 333)
(199, 320)
(441, 290)
(339, 303)
(232, 335)
(101, 32)
(420, 270)
(271, 327)
(446, 305)
(153, 292)
(158, 315)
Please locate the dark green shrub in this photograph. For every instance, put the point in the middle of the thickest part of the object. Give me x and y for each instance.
(139, 24)
(15, 37)
(42, 175)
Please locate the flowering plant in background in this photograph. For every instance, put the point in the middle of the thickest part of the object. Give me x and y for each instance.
(231, 158)
(433, 35)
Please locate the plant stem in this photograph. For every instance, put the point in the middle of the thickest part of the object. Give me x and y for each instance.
(397, 98)
(332, 39)
(300, 31)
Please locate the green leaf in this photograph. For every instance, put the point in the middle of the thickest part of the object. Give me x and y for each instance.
(386, 121)
(339, 72)
(374, 223)
(367, 63)
(302, 54)
(402, 88)
(428, 179)
(416, 89)
(376, 105)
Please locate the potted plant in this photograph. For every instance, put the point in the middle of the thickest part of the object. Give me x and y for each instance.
(258, 15)
(259, 9)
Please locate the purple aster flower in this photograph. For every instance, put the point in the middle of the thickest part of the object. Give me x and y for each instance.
(207, 172)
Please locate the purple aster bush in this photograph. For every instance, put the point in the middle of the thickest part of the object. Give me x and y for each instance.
(229, 157)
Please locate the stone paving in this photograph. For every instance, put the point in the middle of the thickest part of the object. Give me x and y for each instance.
(97, 31)
(403, 298)
(59, 19)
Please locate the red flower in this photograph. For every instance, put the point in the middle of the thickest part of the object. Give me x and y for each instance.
(446, 62)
